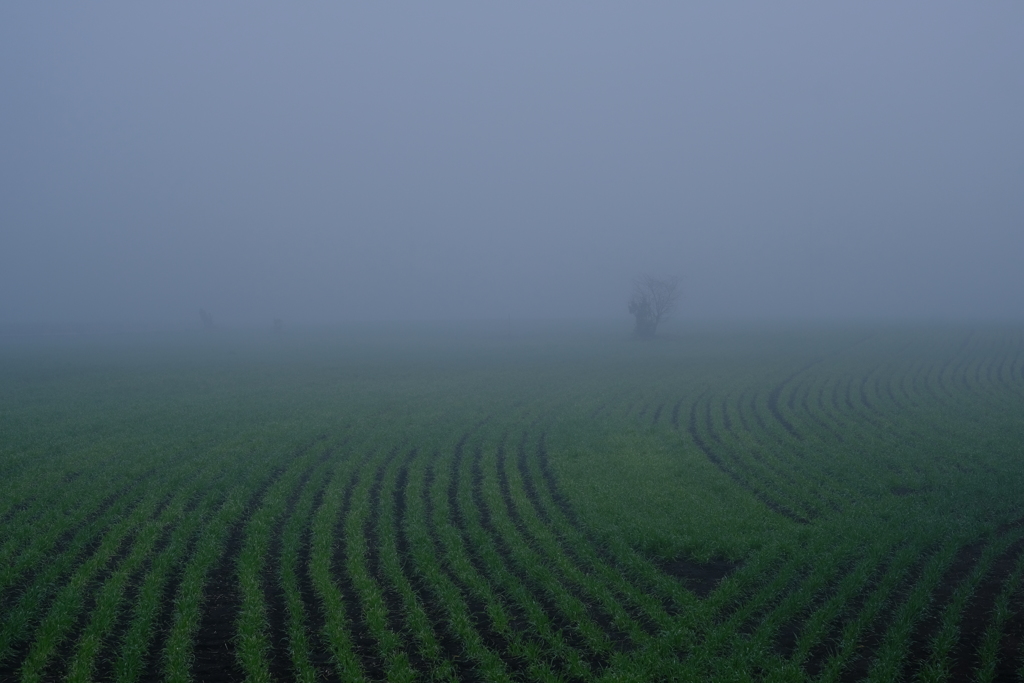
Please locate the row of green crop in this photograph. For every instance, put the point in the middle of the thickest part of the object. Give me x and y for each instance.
(434, 557)
(78, 576)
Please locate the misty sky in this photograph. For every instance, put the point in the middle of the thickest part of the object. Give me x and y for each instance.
(371, 161)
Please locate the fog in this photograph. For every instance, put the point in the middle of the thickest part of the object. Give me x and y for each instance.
(464, 161)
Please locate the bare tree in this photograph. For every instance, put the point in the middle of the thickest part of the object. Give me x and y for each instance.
(652, 300)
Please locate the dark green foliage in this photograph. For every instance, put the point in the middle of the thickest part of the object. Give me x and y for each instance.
(785, 504)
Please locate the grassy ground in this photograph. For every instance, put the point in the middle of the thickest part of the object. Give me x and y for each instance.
(552, 503)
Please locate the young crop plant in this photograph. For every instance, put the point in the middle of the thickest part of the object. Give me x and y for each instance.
(374, 609)
(23, 611)
(937, 668)
(138, 637)
(772, 504)
(179, 648)
(1002, 611)
(253, 643)
(300, 641)
(389, 528)
(465, 548)
(337, 621)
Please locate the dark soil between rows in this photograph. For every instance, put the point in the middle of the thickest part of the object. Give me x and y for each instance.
(364, 646)
(979, 612)
(860, 664)
(555, 617)
(619, 639)
(450, 647)
(215, 659)
(928, 627)
(280, 664)
(715, 460)
(319, 655)
(477, 610)
(373, 534)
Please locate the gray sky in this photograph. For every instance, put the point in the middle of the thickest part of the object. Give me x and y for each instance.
(470, 160)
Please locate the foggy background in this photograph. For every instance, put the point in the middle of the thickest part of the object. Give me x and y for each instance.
(471, 161)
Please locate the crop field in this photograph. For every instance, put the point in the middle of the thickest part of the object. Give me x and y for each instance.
(420, 504)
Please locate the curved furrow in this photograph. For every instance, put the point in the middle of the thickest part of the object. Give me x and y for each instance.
(932, 383)
(524, 484)
(378, 645)
(608, 607)
(863, 403)
(773, 404)
(771, 431)
(997, 357)
(941, 638)
(861, 634)
(1000, 651)
(813, 409)
(782, 621)
(888, 425)
(707, 449)
(656, 417)
(97, 645)
(961, 367)
(1015, 367)
(827, 408)
(884, 395)
(908, 385)
(894, 649)
(810, 632)
(49, 498)
(983, 366)
(694, 621)
(565, 608)
(952, 366)
(202, 635)
(897, 388)
(49, 539)
(299, 653)
(997, 348)
(969, 359)
(741, 414)
(97, 627)
(71, 601)
(259, 622)
(146, 627)
(382, 606)
(808, 494)
(479, 619)
(93, 544)
(868, 424)
(490, 559)
(760, 599)
(814, 476)
(437, 644)
(974, 651)
(288, 653)
(1002, 375)
(669, 593)
(337, 611)
(539, 572)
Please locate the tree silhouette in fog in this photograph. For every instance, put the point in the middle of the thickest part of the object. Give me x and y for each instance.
(653, 299)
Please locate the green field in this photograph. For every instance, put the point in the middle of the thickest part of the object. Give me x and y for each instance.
(554, 504)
